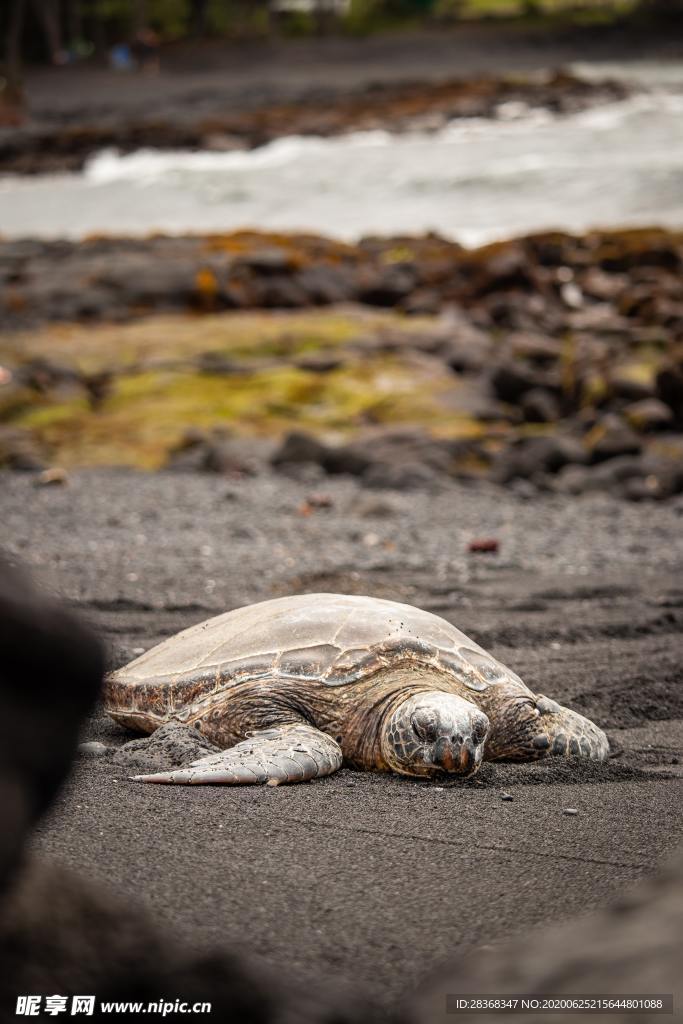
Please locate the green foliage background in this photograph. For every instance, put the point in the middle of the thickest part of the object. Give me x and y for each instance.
(178, 18)
(96, 24)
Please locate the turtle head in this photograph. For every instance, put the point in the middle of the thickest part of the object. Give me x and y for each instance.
(434, 732)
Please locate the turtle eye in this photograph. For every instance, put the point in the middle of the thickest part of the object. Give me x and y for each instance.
(424, 722)
(479, 731)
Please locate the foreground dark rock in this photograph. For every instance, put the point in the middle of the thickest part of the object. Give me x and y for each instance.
(631, 947)
(60, 934)
(401, 459)
(50, 672)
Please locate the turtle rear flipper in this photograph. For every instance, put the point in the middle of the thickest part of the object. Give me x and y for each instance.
(288, 753)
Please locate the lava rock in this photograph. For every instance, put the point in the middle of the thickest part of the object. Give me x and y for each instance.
(649, 415)
(18, 451)
(56, 476)
(538, 349)
(540, 406)
(318, 362)
(326, 285)
(385, 286)
(300, 447)
(510, 382)
(669, 384)
(507, 267)
(641, 488)
(528, 457)
(403, 476)
(610, 438)
(216, 452)
(93, 749)
(45, 376)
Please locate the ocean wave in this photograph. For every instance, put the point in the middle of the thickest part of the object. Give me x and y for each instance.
(150, 165)
(474, 179)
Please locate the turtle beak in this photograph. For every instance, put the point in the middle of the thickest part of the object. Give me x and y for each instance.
(467, 760)
(444, 755)
(458, 759)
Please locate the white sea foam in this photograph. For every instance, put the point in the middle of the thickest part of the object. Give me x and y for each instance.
(649, 73)
(151, 165)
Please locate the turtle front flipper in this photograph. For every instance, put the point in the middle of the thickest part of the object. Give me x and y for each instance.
(526, 729)
(288, 753)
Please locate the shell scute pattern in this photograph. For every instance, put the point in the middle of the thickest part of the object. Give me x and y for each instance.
(353, 664)
(408, 647)
(331, 638)
(307, 662)
(238, 669)
(187, 688)
(482, 670)
(150, 697)
(454, 662)
(199, 686)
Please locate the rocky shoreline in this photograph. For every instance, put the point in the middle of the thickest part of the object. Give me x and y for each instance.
(553, 360)
(218, 124)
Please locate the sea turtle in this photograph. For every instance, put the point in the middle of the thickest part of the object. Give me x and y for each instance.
(293, 687)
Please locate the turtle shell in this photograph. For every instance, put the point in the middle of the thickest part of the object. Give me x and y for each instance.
(331, 639)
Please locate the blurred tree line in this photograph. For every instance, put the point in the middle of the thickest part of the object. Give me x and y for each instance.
(60, 31)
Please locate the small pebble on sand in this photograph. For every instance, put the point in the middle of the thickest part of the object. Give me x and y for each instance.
(506, 796)
(93, 749)
(570, 810)
(51, 477)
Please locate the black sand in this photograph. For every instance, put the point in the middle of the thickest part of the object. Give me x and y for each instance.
(202, 77)
(376, 879)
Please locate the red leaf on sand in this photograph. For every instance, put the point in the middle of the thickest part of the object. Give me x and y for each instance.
(483, 545)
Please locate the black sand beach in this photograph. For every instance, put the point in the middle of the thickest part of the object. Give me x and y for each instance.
(373, 879)
(200, 77)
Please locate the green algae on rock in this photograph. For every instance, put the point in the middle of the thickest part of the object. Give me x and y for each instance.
(549, 355)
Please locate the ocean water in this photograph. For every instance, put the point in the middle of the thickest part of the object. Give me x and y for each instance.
(473, 180)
